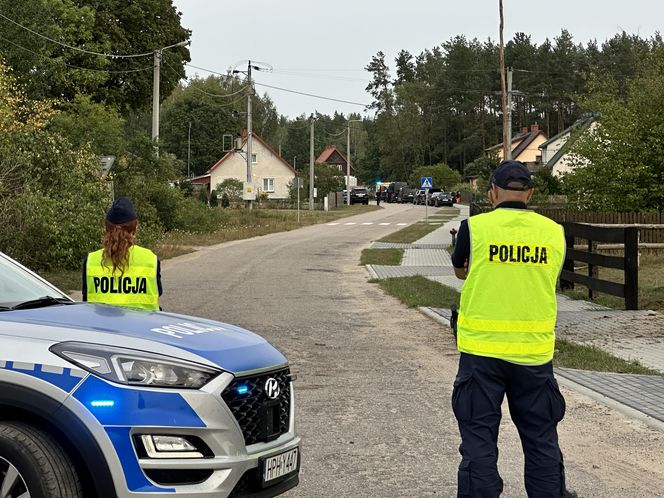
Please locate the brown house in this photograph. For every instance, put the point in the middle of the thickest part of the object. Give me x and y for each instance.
(525, 147)
(332, 157)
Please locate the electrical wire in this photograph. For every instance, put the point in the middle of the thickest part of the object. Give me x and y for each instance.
(90, 52)
(284, 89)
(73, 66)
(311, 95)
(203, 91)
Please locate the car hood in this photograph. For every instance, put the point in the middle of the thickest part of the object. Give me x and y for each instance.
(196, 339)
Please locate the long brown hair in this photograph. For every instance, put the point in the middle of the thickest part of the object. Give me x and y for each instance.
(117, 241)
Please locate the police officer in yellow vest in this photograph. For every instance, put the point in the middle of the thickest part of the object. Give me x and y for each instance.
(510, 258)
(122, 273)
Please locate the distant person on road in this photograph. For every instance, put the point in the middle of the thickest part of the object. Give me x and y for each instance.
(510, 259)
(378, 192)
(122, 273)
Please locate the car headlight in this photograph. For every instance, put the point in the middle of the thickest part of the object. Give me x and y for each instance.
(136, 368)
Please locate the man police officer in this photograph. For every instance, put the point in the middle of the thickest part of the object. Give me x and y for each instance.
(510, 258)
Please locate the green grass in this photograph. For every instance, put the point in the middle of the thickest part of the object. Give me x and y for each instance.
(571, 355)
(241, 224)
(390, 257)
(419, 291)
(418, 230)
(410, 234)
(65, 280)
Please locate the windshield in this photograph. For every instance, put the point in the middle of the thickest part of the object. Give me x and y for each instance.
(17, 285)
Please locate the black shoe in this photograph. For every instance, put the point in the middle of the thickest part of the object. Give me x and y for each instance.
(570, 494)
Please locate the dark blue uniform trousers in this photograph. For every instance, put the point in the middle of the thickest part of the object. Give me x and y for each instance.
(536, 407)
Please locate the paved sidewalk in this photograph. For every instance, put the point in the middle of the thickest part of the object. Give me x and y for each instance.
(631, 335)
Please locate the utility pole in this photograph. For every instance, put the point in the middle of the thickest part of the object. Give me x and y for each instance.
(155, 100)
(155, 92)
(248, 204)
(189, 152)
(348, 168)
(348, 163)
(311, 164)
(507, 146)
(509, 113)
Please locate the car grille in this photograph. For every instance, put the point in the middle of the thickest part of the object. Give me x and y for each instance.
(260, 418)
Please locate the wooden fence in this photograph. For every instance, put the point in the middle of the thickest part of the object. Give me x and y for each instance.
(648, 234)
(629, 262)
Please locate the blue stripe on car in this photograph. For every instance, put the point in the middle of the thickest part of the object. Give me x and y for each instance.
(134, 476)
(65, 381)
(232, 348)
(133, 407)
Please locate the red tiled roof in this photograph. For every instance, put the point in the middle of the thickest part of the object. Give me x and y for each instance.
(265, 144)
(325, 155)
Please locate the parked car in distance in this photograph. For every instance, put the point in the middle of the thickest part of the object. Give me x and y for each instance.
(359, 195)
(393, 191)
(445, 199)
(432, 192)
(406, 194)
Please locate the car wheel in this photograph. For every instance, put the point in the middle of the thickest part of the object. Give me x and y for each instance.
(33, 464)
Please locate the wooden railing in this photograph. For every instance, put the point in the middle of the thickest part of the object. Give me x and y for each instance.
(627, 236)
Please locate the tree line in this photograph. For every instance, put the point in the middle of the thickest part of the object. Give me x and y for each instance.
(443, 105)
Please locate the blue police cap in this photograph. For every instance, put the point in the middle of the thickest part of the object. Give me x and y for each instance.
(512, 175)
(121, 211)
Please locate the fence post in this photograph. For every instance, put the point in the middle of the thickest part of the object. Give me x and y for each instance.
(569, 263)
(591, 269)
(632, 268)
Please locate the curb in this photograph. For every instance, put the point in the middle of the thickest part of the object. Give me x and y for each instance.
(434, 316)
(612, 404)
(372, 272)
(628, 411)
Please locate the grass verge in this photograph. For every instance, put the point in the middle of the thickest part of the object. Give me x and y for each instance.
(65, 280)
(418, 230)
(651, 285)
(419, 291)
(570, 355)
(391, 257)
(410, 234)
(242, 224)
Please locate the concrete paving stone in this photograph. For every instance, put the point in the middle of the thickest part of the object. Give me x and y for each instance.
(635, 391)
(409, 271)
(426, 257)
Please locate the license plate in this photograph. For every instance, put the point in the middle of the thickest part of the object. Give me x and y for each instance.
(280, 465)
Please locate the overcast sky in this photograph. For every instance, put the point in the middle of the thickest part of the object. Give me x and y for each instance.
(321, 47)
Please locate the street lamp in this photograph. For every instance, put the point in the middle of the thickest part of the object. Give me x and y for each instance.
(155, 91)
(348, 161)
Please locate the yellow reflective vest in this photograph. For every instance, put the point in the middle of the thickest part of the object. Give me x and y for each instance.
(136, 288)
(508, 302)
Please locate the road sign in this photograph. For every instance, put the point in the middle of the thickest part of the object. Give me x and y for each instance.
(426, 182)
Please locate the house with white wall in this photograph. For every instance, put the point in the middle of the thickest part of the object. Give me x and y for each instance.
(556, 152)
(271, 173)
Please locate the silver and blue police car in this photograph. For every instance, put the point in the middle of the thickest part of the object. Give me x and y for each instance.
(101, 401)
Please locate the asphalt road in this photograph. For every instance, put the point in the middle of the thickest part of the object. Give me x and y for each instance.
(374, 377)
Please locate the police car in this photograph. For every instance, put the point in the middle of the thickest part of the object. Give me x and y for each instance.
(102, 401)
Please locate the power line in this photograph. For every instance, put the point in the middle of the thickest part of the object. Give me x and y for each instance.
(90, 52)
(285, 89)
(311, 95)
(203, 91)
(73, 66)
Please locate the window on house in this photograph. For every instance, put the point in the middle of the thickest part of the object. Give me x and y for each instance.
(254, 159)
(268, 184)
